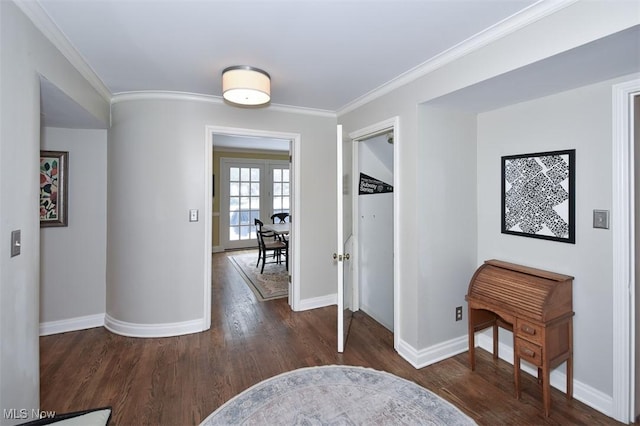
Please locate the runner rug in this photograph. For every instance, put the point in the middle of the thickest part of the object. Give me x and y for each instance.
(343, 395)
(272, 284)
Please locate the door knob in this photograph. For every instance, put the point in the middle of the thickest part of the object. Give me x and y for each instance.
(337, 257)
(347, 256)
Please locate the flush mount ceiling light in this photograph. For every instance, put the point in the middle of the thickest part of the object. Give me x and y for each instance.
(245, 85)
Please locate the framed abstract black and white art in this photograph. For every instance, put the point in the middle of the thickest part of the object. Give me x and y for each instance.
(538, 195)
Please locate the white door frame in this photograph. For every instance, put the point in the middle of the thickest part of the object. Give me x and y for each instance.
(391, 124)
(623, 231)
(294, 261)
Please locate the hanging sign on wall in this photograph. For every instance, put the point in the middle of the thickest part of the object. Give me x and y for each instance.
(369, 185)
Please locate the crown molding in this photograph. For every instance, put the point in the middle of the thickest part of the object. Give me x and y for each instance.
(43, 22)
(305, 111)
(185, 96)
(525, 17)
(164, 95)
(34, 11)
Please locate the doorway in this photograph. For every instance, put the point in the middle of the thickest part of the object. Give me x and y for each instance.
(625, 298)
(636, 142)
(375, 227)
(377, 147)
(247, 143)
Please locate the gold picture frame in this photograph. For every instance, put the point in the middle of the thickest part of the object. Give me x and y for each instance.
(53, 188)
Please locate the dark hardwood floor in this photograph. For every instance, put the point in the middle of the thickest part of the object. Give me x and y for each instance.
(181, 380)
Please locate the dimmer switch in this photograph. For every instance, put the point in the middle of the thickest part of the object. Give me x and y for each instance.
(601, 219)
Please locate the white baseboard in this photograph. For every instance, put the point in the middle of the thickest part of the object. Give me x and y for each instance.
(582, 392)
(317, 302)
(420, 358)
(71, 324)
(153, 330)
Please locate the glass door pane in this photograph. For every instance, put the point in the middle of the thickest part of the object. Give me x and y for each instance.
(244, 201)
(280, 189)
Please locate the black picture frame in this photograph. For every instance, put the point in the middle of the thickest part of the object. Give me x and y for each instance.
(538, 195)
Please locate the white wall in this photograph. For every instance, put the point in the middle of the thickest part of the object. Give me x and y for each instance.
(73, 258)
(579, 119)
(375, 234)
(426, 277)
(447, 224)
(25, 53)
(157, 173)
(575, 25)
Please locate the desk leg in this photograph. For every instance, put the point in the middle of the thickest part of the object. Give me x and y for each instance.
(546, 390)
(570, 377)
(516, 374)
(472, 349)
(472, 341)
(570, 363)
(495, 341)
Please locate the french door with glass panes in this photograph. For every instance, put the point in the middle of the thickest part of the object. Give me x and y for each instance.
(280, 197)
(250, 189)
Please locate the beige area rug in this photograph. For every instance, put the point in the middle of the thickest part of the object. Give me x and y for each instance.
(337, 395)
(272, 284)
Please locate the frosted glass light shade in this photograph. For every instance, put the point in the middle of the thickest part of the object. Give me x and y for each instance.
(245, 85)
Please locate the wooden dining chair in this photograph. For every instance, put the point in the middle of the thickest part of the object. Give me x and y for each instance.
(265, 246)
(259, 224)
(280, 217)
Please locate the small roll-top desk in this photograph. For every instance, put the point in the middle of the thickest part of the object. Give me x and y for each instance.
(534, 304)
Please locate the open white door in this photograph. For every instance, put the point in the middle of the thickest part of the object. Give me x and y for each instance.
(342, 256)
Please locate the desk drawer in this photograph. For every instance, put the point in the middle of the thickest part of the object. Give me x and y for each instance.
(529, 331)
(529, 351)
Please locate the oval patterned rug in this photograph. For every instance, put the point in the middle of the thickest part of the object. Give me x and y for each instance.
(337, 395)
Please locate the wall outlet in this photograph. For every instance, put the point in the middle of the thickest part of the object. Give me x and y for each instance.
(459, 313)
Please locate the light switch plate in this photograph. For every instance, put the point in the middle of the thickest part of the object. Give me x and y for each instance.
(601, 219)
(15, 243)
(193, 215)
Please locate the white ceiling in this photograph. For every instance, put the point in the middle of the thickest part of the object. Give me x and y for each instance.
(381, 146)
(606, 58)
(321, 54)
(59, 110)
